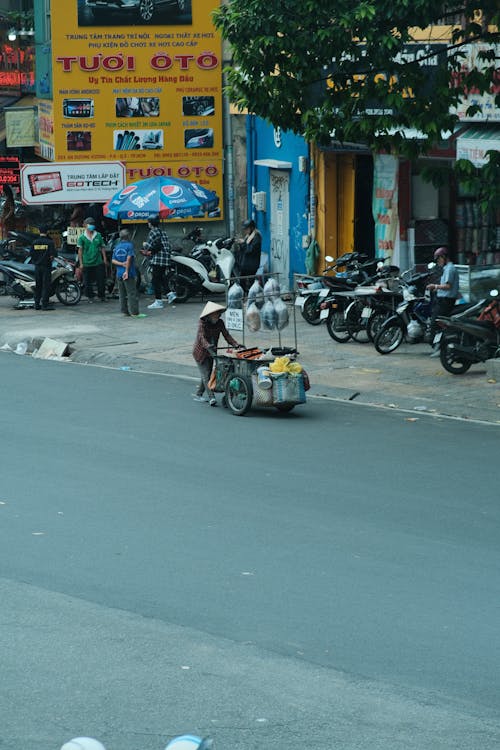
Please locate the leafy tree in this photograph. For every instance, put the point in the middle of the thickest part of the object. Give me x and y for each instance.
(343, 68)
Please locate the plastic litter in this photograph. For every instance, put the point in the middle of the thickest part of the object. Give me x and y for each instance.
(21, 348)
(83, 743)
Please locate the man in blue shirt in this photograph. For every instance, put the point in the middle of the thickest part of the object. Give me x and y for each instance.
(446, 291)
(126, 275)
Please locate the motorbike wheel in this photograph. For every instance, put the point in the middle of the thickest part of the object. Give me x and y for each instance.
(356, 324)
(69, 293)
(239, 394)
(376, 321)
(450, 361)
(310, 311)
(336, 327)
(180, 288)
(389, 337)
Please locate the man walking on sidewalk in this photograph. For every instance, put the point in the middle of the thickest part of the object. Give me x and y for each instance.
(158, 248)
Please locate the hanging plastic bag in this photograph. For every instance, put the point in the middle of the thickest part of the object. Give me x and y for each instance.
(271, 289)
(235, 297)
(281, 311)
(256, 294)
(268, 315)
(252, 317)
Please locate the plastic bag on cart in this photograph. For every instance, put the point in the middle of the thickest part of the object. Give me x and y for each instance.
(252, 317)
(235, 297)
(281, 311)
(271, 289)
(256, 294)
(268, 315)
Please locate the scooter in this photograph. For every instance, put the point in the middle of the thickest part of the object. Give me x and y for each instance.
(311, 290)
(18, 280)
(466, 340)
(206, 270)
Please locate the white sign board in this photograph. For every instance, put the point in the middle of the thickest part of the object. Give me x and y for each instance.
(234, 319)
(83, 182)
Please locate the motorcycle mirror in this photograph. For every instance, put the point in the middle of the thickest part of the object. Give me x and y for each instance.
(329, 259)
(494, 293)
(379, 265)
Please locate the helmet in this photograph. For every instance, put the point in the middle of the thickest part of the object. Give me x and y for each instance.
(249, 224)
(441, 252)
(154, 220)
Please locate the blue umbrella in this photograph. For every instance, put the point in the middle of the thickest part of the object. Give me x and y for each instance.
(167, 197)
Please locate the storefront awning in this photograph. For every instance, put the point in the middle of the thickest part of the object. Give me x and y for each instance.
(475, 142)
(273, 163)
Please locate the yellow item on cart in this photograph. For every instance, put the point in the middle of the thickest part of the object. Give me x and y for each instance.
(284, 364)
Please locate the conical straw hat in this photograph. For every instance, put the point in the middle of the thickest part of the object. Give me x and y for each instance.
(210, 308)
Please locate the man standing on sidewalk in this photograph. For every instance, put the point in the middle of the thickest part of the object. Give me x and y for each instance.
(93, 261)
(126, 275)
(446, 291)
(43, 252)
(158, 248)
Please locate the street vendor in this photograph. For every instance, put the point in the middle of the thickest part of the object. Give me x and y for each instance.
(210, 327)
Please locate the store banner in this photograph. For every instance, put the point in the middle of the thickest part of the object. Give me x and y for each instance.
(471, 60)
(20, 127)
(145, 92)
(9, 171)
(86, 182)
(45, 146)
(385, 203)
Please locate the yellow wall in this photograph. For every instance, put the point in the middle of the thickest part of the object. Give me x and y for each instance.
(334, 186)
(168, 62)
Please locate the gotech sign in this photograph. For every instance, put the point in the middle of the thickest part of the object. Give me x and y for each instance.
(147, 93)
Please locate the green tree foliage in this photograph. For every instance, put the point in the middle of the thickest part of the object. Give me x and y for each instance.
(323, 68)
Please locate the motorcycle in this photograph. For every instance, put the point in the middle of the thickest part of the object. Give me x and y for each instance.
(358, 313)
(312, 289)
(411, 320)
(205, 270)
(18, 280)
(466, 340)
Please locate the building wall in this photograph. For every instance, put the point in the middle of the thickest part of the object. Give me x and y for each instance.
(278, 148)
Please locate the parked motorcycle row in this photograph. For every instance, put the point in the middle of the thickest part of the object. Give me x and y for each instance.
(372, 302)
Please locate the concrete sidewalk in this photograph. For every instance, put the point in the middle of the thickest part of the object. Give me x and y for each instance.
(161, 343)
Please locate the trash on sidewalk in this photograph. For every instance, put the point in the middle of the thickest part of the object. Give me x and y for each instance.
(21, 348)
(52, 349)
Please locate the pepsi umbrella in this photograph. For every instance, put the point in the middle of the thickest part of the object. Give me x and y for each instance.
(167, 197)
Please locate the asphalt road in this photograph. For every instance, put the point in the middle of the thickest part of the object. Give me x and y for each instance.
(327, 578)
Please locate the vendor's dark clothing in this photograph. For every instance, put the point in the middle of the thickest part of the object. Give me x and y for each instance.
(207, 338)
(43, 251)
(249, 259)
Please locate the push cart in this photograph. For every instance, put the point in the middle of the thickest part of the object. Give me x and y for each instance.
(245, 379)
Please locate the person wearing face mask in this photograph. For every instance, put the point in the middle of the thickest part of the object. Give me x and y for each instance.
(93, 261)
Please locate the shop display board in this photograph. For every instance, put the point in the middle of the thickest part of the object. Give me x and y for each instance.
(146, 92)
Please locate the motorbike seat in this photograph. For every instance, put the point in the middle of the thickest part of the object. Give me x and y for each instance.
(14, 265)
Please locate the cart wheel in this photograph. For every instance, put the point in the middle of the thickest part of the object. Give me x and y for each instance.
(239, 394)
(284, 408)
